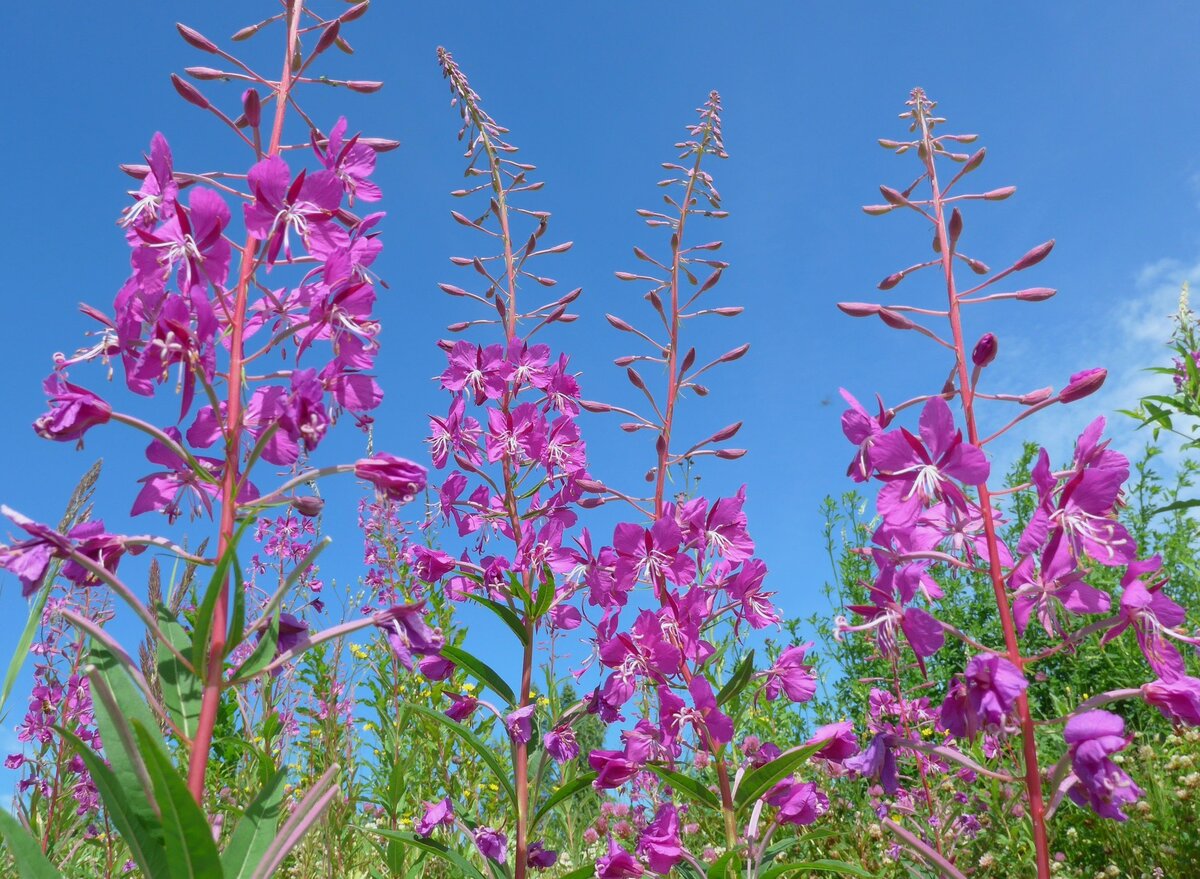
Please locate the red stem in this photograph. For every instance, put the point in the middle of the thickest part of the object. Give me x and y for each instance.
(1033, 775)
(214, 684)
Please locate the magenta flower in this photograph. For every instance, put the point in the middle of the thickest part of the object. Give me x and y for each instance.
(792, 676)
(155, 199)
(408, 633)
(492, 844)
(714, 727)
(1083, 384)
(614, 768)
(1092, 738)
(165, 490)
(659, 842)
(29, 559)
(862, 429)
(350, 161)
(983, 697)
(840, 741)
(73, 410)
(519, 724)
(920, 472)
(283, 206)
(484, 372)
(878, 761)
(430, 565)
(560, 744)
(652, 555)
(456, 434)
(1178, 699)
(1058, 584)
(519, 435)
(1153, 617)
(618, 864)
(463, 707)
(540, 857)
(191, 243)
(436, 814)
(296, 417)
(753, 605)
(436, 668)
(397, 479)
(888, 618)
(799, 803)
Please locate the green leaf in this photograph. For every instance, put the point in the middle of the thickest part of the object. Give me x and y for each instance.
(143, 836)
(208, 604)
(506, 615)
(476, 744)
(21, 653)
(738, 680)
(255, 830)
(564, 792)
(720, 867)
(483, 672)
(432, 847)
(262, 654)
(797, 868)
(545, 593)
(25, 850)
(191, 852)
(1177, 505)
(585, 872)
(120, 744)
(757, 782)
(694, 789)
(182, 691)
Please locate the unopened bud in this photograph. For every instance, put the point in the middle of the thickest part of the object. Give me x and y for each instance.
(593, 406)
(189, 92)
(985, 350)
(1041, 395)
(730, 454)
(1083, 384)
(895, 320)
(364, 87)
(1035, 294)
(1000, 194)
(858, 309)
(975, 161)
(197, 39)
(252, 107)
(308, 506)
(877, 210)
(1034, 256)
(956, 226)
(618, 323)
(205, 73)
(591, 485)
(891, 281)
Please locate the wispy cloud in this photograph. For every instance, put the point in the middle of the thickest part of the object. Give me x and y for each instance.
(1126, 338)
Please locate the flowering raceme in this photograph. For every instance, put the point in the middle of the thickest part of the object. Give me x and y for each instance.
(266, 345)
(938, 517)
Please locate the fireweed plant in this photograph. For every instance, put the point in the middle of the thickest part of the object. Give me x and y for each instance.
(685, 571)
(516, 479)
(265, 337)
(937, 513)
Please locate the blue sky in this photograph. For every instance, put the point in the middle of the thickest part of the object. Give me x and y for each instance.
(1087, 108)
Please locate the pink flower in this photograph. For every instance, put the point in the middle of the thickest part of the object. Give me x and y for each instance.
(1092, 738)
(659, 843)
(73, 411)
(792, 676)
(397, 479)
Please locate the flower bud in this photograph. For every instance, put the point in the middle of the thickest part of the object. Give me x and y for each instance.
(1034, 256)
(364, 87)
(252, 107)
(1041, 395)
(1036, 294)
(858, 309)
(395, 478)
(189, 92)
(956, 225)
(985, 350)
(196, 39)
(1000, 194)
(1083, 384)
(308, 506)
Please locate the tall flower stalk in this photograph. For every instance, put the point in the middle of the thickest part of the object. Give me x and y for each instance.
(938, 514)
